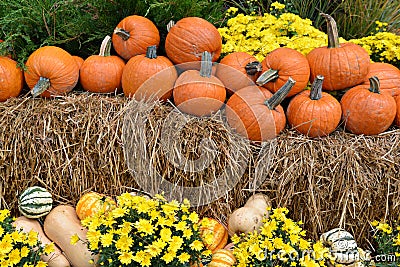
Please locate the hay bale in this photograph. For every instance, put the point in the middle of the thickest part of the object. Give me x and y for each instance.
(76, 144)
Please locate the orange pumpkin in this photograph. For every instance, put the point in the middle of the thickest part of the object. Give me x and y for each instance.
(78, 60)
(238, 70)
(190, 37)
(222, 258)
(366, 110)
(213, 233)
(51, 71)
(257, 114)
(281, 64)
(102, 73)
(11, 77)
(198, 92)
(314, 113)
(149, 76)
(343, 65)
(92, 203)
(133, 35)
(388, 75)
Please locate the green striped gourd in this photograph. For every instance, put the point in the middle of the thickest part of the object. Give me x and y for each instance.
(35, 202)
(342, 246)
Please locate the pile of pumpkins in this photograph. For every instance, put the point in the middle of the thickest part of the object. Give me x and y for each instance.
(250, 91)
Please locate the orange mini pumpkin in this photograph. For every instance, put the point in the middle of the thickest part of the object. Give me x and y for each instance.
(92, 203)
(133, 35)
(213, 233)
(281, 64)
(149, 76)
(314, 113)
(198, 92)
(366, 110)
(388, 75)
(256, 113)
(222, 258)
(343, 65)
(11, 77)
(51, 71)
(102, 73)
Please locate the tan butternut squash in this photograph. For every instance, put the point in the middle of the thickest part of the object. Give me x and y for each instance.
(55, 259)
(62, 223)
(244, 220)
(259, 202)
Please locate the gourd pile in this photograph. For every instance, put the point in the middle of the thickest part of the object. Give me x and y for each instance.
(250, 92)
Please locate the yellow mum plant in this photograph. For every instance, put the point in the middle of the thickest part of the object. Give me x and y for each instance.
(387, 241)
(18, 248)
(280, 242)
(145, 232)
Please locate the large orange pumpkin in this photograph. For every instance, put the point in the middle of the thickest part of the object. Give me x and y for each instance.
(189, 38)
(343, 65)
(366, 110)
(222, 258)
(78, 60)
(238, 70)
(281, 64)
(102, 73)
(213, 233)
(51, 71)
(133, 35)
(198, 92)
(257, 114)
(92, 203)
(149, 76)
(11, 79)
(388, 75)
(314, 113)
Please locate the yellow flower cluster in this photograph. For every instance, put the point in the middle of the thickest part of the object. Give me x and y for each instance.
(18, 248)
(387, 238)
(145, 232)
(280, 242)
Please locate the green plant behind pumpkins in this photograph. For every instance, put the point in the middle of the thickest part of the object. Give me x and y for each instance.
(79, 26)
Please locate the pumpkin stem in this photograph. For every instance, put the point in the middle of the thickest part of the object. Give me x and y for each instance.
(206, 64)
(105, 48)
(332, 31)
(42, 85)
(170, 24)
(374, 85)
(267, 76)
(316, 88)
(151, 51)
(253, 67)
(122, 33)
(278, 97)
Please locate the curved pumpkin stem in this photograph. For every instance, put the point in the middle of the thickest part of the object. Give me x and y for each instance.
(122, 33)
(332, 31)
(42, 85)
(170, 24)
(267, 76)
(278, 97)
(316, 88)
(374, 85)
(206, 64)
(105, 48)
(151, 51)
(253, 67)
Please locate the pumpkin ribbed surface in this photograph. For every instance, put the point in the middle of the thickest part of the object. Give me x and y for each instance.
(388, 75)
(214, 234)
(92, 203)
(11, 77)
(222, 258)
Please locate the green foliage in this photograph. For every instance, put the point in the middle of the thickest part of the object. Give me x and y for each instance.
(79, 26)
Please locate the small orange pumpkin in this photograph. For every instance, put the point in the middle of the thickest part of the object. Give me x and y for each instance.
(281, 64)
(51, 71)
(388, 75)
(133, 35)
(238, 70)
(222, 258)
(149, 76)
(213, 233)
(366, 110)
(11, 77)
(92, 203)
(102, 73)
(257, 114)
(199, 92)
(314, 113)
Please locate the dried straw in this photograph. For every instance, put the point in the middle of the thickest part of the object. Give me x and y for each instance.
(75, 144)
